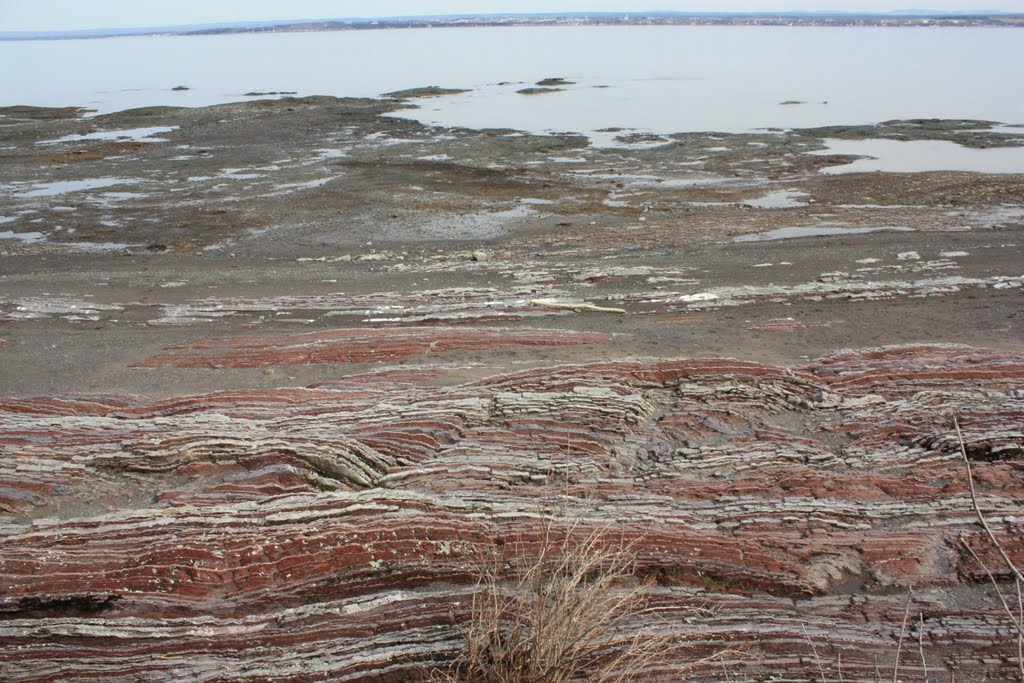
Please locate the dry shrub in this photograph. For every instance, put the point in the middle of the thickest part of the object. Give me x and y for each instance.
(559, 617)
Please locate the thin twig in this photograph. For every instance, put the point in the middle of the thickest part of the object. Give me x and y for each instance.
(920, 646)
(977, 509)
(817, 659)
(903, 632)
(568, 464)
(725, 670)
(1018, 620)
(995, 584)
(1020, 629)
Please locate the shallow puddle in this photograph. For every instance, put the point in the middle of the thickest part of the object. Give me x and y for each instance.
(97, 246)
(915, 156)
(64, 186)
(27, 237)
(614, 139)
(127, 135)
(791, 233)
(783, 199)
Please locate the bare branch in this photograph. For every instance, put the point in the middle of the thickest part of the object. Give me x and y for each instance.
(920, 646)
(995, 584)
(817, 659)
(1018, 619)
(1019, 623)
(977, 509)
(903, 632)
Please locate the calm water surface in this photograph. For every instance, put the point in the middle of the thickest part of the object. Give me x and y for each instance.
(663, 79)
(912, 156)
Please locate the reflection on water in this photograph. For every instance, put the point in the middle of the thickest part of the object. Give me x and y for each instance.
(29, 237)
(782, 199)
(821, 231)
(127, 135)
(39, 238)
(64, 186)
(662, 79)
(899, 156)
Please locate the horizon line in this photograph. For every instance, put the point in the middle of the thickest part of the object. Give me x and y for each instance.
(113, 31)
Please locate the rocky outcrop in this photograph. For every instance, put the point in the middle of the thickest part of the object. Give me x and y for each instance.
(830, 287)
(780, 515)
(426, 91)
(538, 91)
(370, 345)
(432, 306)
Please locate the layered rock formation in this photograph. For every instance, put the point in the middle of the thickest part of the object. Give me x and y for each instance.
(369, 345)
(345, 409)
(781, 516)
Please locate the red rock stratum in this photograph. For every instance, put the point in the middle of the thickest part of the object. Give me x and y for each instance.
(331, 532)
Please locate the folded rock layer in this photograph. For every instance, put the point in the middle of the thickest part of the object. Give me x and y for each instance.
(780, 516)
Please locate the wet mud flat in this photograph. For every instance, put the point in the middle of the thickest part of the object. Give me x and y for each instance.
(374, 350)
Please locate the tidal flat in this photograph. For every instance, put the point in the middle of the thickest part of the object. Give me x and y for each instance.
(276, 373)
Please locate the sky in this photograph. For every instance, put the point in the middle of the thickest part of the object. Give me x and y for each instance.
(59, 15)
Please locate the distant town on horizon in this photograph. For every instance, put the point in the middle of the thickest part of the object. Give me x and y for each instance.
(910, 17)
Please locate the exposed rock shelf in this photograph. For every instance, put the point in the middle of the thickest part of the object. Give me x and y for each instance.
(332, 531)
(276, 376)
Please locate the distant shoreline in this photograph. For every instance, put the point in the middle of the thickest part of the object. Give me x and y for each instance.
(946, 20)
